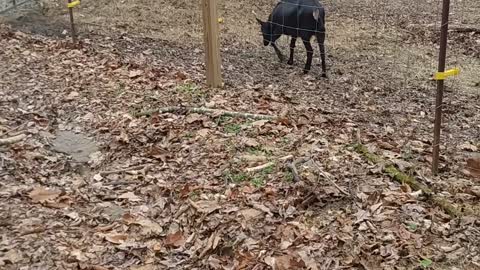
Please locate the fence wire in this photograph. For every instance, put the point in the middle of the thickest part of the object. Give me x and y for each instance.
(10, 5)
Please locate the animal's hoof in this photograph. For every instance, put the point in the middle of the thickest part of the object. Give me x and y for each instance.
(290, 62)
(324, 75)
(305, 71)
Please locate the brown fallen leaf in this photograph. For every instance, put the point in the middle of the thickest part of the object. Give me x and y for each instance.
(205, 206)
(287, 262)
(130, 196)
(73, 95)
(212, 243)
(250, 213)
(116, 238)
(203, 132)
(144, 267)
(473, 166)
(61, 203)
(194, 117)
(98, 267)
(135, 73)
(253, 158)
(79, 255)
(42, 194)
(309, 261)
(149, 226)
(175, 239)
(250, 142)
(11, 257)
(128, 218)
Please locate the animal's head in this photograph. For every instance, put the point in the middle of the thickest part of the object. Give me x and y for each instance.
(267, 33)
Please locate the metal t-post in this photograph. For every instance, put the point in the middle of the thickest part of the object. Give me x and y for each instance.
(72, 23)
(440, 86)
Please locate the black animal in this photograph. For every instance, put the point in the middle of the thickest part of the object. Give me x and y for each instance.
(298, 19)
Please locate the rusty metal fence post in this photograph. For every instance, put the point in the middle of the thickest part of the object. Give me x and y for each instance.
(440, 86)
(70, 6)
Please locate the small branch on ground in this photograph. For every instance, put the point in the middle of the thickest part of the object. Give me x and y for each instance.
(176, 109)
(134, 168)
(293, 168)
(266, 165)
(309, 199)
(194, 205)
(329, 178)
(465, 29)
(12, 140)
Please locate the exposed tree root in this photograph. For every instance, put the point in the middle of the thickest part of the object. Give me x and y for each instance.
(403, 178)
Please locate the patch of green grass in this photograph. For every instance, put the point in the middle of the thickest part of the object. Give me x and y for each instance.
(260, 179)
(232, 129)
(407, 154)
(120, 90)
(222, 119)
(236, 177)
(288, 177)
(258, 182)
(248, 123)
(412, 227)
(190, 89)
(286, 140)
(426, 263)
(267, 170)
(189, 135)
(259, 150)
(194, 195)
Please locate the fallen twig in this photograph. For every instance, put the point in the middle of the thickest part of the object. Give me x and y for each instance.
(12, 140)
(134, 168)
(266, 165)
(465, 29)
(329, 179)
(206, 111)
(293, 168)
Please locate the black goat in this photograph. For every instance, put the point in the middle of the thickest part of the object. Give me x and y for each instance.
(298, 19)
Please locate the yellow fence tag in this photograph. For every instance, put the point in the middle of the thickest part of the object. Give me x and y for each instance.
(73, 4)
(448, 73)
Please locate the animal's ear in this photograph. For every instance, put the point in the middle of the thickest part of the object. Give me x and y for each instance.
(259, 21)
(316, 14)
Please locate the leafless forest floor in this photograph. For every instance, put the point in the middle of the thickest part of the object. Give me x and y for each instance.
(173, 190)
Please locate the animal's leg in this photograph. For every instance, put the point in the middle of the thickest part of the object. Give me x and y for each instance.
(292, 48)
(308, 47)
(279, 53)
(321, 44)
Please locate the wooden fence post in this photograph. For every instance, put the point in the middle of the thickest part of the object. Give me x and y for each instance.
(212, 44)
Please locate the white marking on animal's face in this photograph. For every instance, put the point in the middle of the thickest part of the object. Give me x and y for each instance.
(316, 14)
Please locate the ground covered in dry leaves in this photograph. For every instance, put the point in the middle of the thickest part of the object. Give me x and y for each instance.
(94, 177)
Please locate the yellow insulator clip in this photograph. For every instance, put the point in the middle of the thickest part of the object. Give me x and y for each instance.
(447, 73)
(73, 4)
